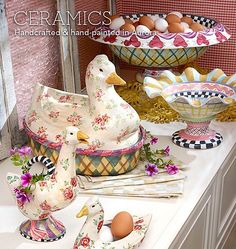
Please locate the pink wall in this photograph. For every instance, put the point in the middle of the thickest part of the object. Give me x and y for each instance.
(35, 59)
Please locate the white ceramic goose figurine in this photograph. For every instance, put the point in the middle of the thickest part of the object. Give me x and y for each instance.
(110, 122)
(89, 237)
(55, 192)
(113, 121)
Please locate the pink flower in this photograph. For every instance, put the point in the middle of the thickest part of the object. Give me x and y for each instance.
(139, 221)
(154, 140)
(151, 169)
(85, 241)
(137, 227)
(100, 225)
(43, 216)
(24, 151)
(21, 196)
(172, 169)
(45, 206)
(73, 182)
(167, 151)
(68, 194)
(13, 151)
(25, 179)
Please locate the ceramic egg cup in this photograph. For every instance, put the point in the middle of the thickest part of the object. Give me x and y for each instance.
(196, 101)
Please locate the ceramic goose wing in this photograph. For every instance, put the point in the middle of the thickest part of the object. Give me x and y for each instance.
(52, 110)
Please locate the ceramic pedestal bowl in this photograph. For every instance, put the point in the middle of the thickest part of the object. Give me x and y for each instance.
(158, 50)
(196, 101)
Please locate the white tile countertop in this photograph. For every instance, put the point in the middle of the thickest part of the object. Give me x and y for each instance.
(168, 215)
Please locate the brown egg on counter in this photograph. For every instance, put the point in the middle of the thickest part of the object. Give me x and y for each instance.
(175, 28)
(172, 18)
(147, 21)
(128, 27)
(136, 24)
(128, 21)
(122, 225)
(187, 19)
(197, 27)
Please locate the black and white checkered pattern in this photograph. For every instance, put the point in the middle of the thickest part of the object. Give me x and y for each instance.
(199, 94)
(44, 160)
(42, 240)
(209, 23)
(198, 144)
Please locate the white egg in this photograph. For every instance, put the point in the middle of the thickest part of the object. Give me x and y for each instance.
(141, 29)
(161, 24)
(185, 25)
(177, 13)
(154, 18)
(105, 234)
(117, 23)
(187, 30)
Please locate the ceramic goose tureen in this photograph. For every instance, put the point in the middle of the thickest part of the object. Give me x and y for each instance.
(88, 236)
(55, 192)
(109, 121)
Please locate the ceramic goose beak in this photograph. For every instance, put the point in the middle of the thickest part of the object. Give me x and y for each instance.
(83, 212)
(114, 79)
(82, 137)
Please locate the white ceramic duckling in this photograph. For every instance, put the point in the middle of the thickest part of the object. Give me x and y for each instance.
(55, 192)
(89, 236)
(110, 122)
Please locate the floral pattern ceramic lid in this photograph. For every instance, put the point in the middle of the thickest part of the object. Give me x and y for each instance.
(110, 122)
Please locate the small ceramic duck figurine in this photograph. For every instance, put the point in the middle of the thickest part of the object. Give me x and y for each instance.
(55, 192)
(109, 121)
(89, 234)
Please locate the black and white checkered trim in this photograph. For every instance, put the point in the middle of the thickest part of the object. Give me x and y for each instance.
(209, 23)
(199, 94)
(44, 160)
(42, 240)
(198, 144)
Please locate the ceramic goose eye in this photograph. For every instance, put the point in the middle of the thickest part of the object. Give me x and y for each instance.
(100, 70)
(71, 133)
(93, 206)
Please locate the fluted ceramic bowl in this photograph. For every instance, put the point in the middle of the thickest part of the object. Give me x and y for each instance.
(161, 50)
(197, 98)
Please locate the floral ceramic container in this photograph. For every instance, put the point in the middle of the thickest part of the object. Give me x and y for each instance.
(112, 124)
(88, 236)
(162, 50)
(198, 98)
(55, 192)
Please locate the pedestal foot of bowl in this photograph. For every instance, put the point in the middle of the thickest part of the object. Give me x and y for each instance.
(197, 135)
(46, 230)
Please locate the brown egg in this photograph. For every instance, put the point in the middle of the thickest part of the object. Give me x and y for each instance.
(114, 17)
(128, 27)
(175, 28)
(122, 225)
(128, 21)
(187, 19)
(147, 21)
(197, 27)
(172, 18)
(136, 24)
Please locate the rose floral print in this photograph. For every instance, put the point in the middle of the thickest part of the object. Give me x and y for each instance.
(74, 119)
(100, 122)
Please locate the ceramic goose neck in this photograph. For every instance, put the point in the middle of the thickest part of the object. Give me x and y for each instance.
(66, 161)
(94, 223)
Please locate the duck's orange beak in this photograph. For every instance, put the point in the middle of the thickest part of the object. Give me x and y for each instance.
(82, 137)
(114, 79)
(83, 212)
